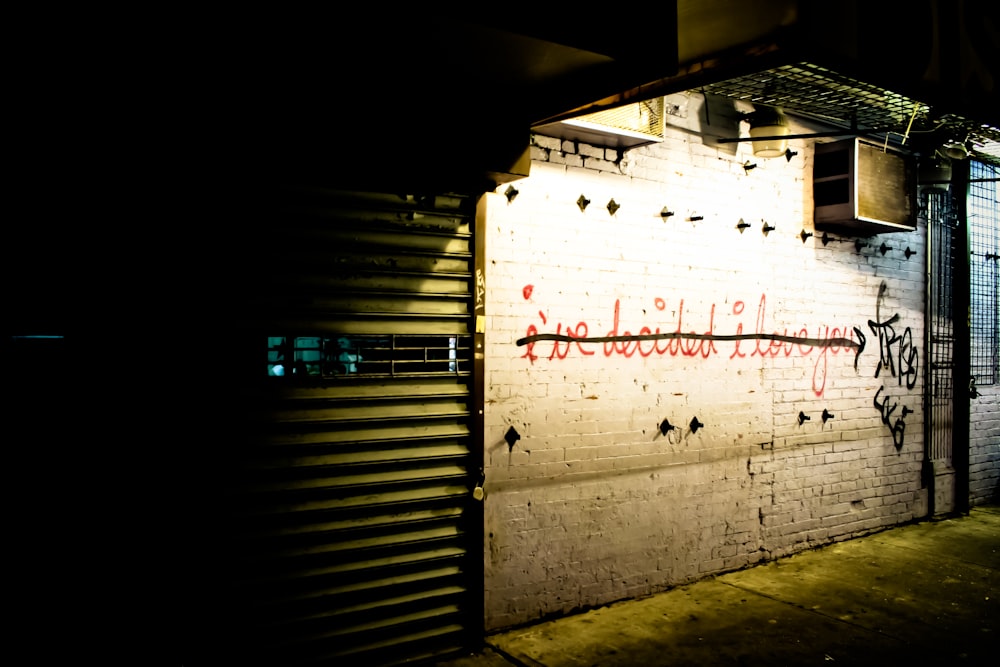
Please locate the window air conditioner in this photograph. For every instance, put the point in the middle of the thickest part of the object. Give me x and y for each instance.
(862, 188)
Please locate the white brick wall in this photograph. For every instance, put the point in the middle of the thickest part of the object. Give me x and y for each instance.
(593, 504)
(984, 446)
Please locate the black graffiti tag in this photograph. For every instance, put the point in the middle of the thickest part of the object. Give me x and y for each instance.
(898, 428)
(903, 359)
(897, 354)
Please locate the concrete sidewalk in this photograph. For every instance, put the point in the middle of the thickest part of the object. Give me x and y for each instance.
(918, 594)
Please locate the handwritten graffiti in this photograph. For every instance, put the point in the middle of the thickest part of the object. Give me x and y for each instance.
(897, 428)
(682, 341)
(898, 356)
(896, 352)
(480, 287)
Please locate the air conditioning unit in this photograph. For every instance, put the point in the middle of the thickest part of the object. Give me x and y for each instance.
(863, 188)
(623, 127)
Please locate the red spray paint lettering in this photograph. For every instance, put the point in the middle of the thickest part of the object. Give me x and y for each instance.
(650, 341)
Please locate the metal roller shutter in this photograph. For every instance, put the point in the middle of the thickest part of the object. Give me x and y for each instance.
(351, 510)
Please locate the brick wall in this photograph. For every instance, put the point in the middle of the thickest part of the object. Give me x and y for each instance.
(593, 502)
(984, 444)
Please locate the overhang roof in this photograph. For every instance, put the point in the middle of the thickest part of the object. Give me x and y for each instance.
(450, 85)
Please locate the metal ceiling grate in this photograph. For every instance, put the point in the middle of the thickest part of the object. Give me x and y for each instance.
(825, 96)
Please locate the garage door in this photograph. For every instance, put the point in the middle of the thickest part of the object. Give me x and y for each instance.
(352, 514)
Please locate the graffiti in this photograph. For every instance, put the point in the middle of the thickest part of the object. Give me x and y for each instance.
(898, 356)
(904, 360)
(681, 340)
(480, 287)
(897, 428)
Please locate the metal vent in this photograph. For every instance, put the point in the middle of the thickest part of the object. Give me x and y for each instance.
(825, 96)
(623, 127)
(643, 117)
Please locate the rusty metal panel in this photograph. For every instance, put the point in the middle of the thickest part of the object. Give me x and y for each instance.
(348, 514)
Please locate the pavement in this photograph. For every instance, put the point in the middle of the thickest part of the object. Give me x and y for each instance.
(922, 593)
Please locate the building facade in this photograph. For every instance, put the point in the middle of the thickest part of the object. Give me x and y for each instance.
(684, 377)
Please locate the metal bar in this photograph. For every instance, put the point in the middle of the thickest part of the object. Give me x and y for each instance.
(927, 467)
(831, 133)
(477, 425)
(961, 287)
(971, 180)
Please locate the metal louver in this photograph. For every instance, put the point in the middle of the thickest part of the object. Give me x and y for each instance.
(349, 518)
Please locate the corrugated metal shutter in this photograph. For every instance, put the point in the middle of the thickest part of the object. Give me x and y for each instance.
(351, 541)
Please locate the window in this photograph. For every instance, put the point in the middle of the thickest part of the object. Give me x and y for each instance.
(368, 355)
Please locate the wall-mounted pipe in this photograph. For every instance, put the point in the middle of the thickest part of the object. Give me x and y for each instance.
(809, 135)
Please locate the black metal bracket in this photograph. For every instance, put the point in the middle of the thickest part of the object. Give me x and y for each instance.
(695, 425)
(826, 415)
(666, 427)
(511, 436)
(803, 417)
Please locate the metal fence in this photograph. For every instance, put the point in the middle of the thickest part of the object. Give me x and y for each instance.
(984, 245)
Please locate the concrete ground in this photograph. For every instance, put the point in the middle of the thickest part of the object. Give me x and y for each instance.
(925, 593)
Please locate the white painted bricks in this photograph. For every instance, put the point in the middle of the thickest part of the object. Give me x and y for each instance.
(594, 503)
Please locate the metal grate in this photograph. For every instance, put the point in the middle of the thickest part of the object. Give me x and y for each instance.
(984, 246)
(644, 117)
(368, 355)
(941, 227)
(823, 95)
